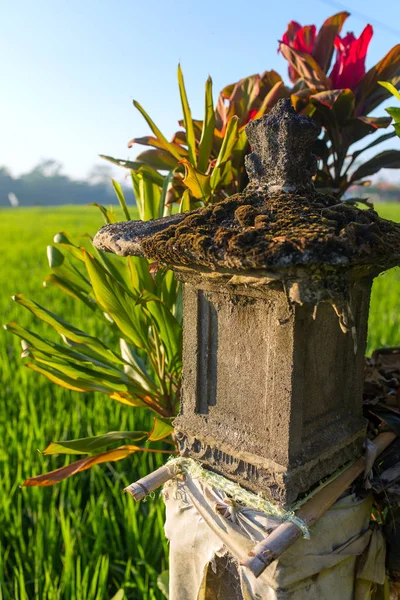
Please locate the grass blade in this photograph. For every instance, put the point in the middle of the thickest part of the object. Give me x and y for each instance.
(163, 140)
(207, 134)
(230, 139)
(121, 198)
(187, 118)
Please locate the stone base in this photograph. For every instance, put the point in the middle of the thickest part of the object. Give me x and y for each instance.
(272, 481)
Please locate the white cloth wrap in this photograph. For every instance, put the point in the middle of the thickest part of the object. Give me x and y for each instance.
(341, 561)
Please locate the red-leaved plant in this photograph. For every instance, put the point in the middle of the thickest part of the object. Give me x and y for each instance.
(351, 52)
(340, 99)
(205, 159)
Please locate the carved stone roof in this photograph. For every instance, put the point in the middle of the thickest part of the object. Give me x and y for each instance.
(257, 230)
(279, 221)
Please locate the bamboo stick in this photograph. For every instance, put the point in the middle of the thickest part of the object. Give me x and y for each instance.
(143, 487)
(275, 544)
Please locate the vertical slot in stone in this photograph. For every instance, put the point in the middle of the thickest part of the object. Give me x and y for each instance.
(207, 328)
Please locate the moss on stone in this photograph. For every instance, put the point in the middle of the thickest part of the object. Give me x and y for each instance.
(255, 230)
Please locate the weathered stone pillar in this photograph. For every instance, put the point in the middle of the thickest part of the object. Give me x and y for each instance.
(276, 287)
(272, 394)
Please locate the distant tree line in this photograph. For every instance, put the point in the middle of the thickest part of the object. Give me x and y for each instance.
(383, 192)
(379, 191)
(46, 185)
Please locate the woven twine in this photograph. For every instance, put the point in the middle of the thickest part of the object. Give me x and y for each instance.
(188, 466)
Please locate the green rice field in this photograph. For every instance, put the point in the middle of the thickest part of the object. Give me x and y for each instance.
(84, 539)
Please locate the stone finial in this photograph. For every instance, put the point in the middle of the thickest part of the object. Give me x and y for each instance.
(281, 144)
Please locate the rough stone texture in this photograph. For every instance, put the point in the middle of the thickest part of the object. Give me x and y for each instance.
(281, 143)
(123, 239)
(257, 230)
(271, 397)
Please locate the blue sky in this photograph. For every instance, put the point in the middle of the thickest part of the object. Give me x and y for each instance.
(70, 69)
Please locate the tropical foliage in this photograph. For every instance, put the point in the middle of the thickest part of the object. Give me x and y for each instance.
(341, 99)
(205, 159)
(394, 111)
(144, 310)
